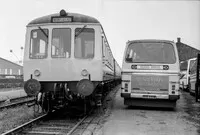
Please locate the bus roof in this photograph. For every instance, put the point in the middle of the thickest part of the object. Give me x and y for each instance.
(79, 18)
(149, 40)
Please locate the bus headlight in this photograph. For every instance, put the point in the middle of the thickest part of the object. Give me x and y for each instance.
(173, 87)
(84, 72)
(126, 87)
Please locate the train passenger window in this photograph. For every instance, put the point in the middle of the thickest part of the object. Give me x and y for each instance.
(84, 43)
(38, 46)
(61, 43)
(103, 55)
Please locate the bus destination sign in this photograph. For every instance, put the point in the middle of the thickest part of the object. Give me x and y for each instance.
(61, 19)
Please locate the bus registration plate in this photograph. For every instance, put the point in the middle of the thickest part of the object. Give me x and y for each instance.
(149, 96)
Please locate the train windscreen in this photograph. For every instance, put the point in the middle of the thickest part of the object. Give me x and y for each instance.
(38, 44)
(84, 43)
(61, 43)
(151, 52)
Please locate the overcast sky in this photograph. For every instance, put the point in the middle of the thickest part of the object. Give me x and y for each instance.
(122, 20)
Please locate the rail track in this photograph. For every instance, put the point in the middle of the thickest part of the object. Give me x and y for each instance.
(49, 124)
(59, 123)
(16, 102)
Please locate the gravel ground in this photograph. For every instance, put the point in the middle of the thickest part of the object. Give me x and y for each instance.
(105, 111)
(13, 117)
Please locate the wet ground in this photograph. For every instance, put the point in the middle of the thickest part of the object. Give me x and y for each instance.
(183, 120)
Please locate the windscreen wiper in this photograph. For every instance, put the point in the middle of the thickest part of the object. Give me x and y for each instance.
(43, 32)
(81, 30)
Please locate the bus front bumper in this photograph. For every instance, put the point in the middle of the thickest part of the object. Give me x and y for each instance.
(150, 96)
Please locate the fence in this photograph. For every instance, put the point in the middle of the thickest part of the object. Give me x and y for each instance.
(11, 83)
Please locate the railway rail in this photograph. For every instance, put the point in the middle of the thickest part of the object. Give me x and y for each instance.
(70, 122)
(21, 127)
(48, 124)
(16, 102)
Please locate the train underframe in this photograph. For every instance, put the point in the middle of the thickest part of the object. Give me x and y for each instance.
(57, 95)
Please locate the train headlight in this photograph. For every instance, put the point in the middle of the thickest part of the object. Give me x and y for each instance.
(84, 72)
(37, 72)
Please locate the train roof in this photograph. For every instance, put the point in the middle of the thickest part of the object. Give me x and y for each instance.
(76, 18)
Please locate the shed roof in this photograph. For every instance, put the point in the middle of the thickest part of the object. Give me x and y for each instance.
(10, 62)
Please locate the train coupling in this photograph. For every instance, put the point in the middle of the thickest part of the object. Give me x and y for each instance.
(39, 97)
(98, 99)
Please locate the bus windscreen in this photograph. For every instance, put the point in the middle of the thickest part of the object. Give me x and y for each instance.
(151, 52)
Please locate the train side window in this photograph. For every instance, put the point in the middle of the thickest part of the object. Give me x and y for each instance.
(105, 48)
(84, 43)
(61, 43)
(106, 51)
(38, 46)
(103, 55)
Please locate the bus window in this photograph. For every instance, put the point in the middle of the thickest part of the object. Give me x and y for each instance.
(191, 64)
(193, 67)
(150, 53)
(183, 65)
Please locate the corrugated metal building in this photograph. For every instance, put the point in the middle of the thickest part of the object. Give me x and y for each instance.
(8, 68)
(186, 51)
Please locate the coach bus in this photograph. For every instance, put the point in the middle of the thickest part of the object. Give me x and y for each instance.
(150, 73)
(193, 79)
(183, 72)
(185, 67)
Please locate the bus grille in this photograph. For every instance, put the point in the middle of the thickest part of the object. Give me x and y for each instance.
(150, 83)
